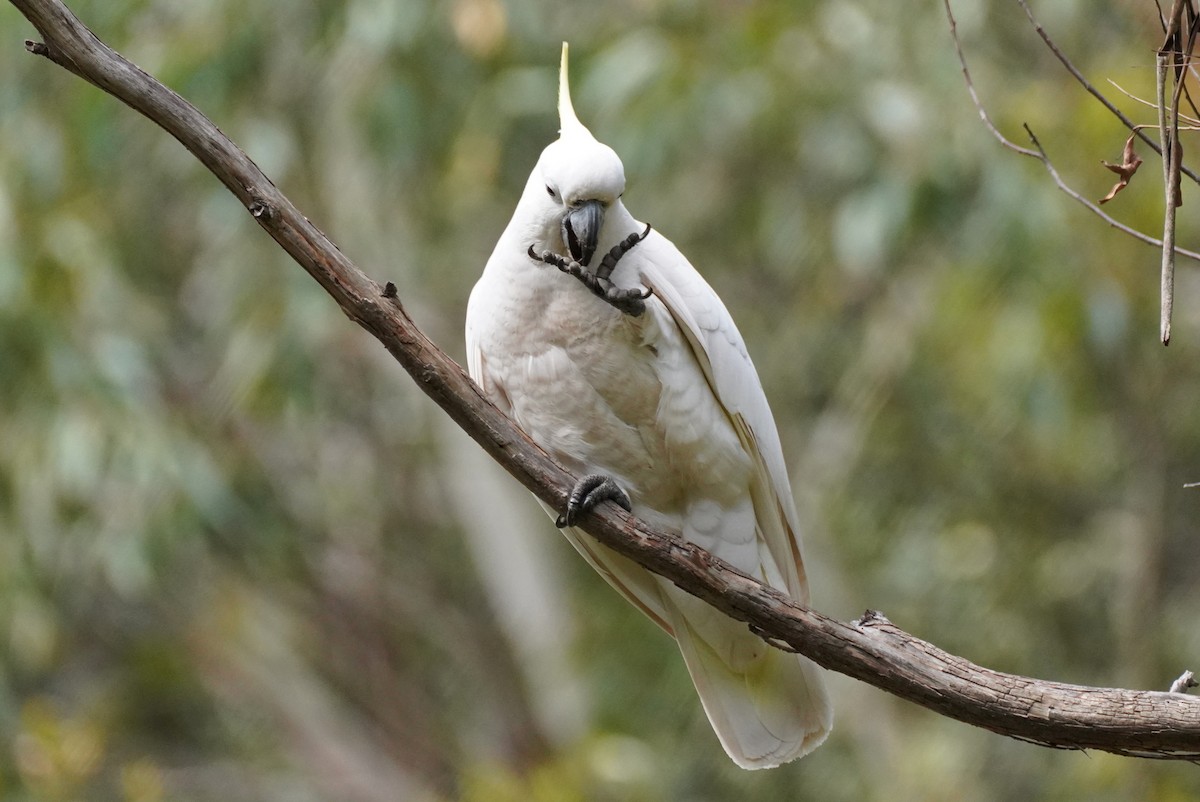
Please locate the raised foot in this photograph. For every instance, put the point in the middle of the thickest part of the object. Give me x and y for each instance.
(629, 301)
(587, 493)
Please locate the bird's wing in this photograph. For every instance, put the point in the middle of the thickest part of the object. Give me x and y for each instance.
(635, 583)
(479, 313)
(719, 350)
(627, 577)
(767, 707)
(474, 353)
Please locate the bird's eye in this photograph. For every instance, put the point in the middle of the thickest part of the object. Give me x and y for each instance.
(550, 191)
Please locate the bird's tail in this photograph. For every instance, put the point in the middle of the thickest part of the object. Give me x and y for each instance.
(766, 706)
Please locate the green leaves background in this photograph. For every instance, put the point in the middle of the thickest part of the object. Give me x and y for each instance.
(242, 558)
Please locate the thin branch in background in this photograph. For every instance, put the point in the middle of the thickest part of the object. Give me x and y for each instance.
(1167, 269)
(983, 115)
(1171, 151)
(1193, 123)
(1093, 91)
(1186, 680)
(1039, 152)
(1172, 58)
(1189, 67)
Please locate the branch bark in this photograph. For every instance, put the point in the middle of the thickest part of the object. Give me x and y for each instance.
(1130, 722)
(1172, 62)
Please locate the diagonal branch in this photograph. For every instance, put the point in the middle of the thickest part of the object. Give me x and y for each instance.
(1039, 153)
(1140, 723)
(1137, 130)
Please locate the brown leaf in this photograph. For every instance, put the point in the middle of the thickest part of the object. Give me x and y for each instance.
(1128, 166)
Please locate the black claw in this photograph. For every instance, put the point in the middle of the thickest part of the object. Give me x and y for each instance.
(609, 263)
(631, 301)
(587, 493)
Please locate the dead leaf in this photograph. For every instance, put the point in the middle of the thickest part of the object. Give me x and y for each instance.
(1128, 166)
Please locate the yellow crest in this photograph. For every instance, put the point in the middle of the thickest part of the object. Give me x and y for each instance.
(568, 123)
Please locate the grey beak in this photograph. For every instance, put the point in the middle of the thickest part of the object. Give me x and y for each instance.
(581, 229)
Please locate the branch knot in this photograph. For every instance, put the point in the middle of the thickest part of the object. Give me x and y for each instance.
(261, 211)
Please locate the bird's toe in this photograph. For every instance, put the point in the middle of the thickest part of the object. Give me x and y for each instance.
(587, 493)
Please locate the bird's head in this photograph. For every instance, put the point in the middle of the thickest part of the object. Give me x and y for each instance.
(576, 181)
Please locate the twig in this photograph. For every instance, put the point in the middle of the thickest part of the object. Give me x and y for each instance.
(1129, 722)
(1093, 91)
(1170, 163)
(979, 107)
(1186, 680)
(1193, 123)
(1171, 57)
(1039, 152)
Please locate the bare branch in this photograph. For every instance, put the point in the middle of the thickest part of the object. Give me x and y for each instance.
(1186, 680)
(983, 115)
(1141, 723)
(1168, 125)
(1093, 91)
(1039, 152)
(1192, 122)
(1171, 61)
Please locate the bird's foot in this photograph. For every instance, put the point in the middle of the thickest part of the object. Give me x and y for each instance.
(609, 263)
(587, 493)
(629, 301)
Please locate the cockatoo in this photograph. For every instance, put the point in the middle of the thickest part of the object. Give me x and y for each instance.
(632, 374)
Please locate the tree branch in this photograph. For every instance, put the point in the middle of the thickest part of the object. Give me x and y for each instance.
(1039, 153)
(1137, 130)
(1172, 58)
(1142, 723)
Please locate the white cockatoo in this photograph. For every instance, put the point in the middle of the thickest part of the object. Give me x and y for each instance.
(631, 373)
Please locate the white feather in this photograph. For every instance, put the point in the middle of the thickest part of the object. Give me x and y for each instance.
(670, 406)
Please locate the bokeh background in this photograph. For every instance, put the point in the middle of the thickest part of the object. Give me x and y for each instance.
(242, 558)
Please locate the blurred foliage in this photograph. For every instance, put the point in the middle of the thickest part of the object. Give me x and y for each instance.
(239, 556)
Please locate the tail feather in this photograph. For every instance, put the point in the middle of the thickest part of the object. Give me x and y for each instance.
(767, 706)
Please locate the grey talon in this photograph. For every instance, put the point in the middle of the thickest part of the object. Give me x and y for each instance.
(587, 493)
(630, 301)
(609, 263)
